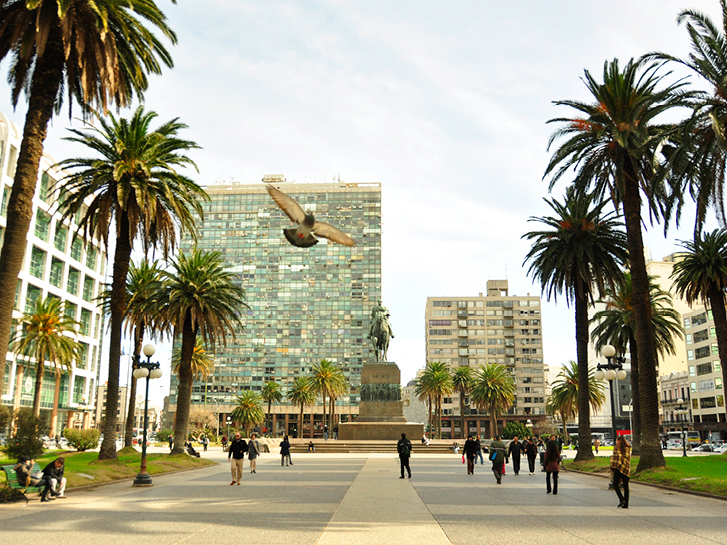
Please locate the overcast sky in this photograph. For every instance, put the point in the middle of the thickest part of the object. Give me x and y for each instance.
(444, 104)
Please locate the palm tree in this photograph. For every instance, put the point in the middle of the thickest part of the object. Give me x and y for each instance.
(559, 404)
(271, 393)
(141, 283)
(565, 396)
(327, 379)
(462, 382)
(434, 383)
(581, 250)
(47, 334)
(615, 326)
(301, 393)
(98, 56)
(341, 387)
(202, 364)
(198, 298)
(248, 410)
(136, 183)
(423, 393)
(494, 391)
(614, 145)
(702, 276)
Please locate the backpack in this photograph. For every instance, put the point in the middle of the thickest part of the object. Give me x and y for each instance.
(405, 448)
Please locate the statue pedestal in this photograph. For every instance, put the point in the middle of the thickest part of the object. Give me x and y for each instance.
(381, 411)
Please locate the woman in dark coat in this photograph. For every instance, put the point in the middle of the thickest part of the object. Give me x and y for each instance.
(285, 452)
(531, 450)
(470, 451)
(552, 464)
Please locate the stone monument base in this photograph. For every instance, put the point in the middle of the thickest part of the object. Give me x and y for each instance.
(379, 431)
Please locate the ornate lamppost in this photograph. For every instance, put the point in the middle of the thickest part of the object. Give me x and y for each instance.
(148, 370)
(681, 413)
(611, 370)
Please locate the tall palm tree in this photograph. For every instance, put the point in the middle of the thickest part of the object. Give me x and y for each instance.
(47, 334)
(558, 404)
(424, 394)
(198, 298)
(615, 326)
(134, 182)
(99, 54)
(341, 387)
(301, 393)
(702, 276)
(494, 391)
(565, 394)
(461, 383)
(434, 383)
(142, 282)
(326, 379)
(614, 144)
(271, 393)
(581, 250)
(202, 364)
(248, 410)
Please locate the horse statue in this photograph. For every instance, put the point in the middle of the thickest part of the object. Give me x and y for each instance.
(380, 332)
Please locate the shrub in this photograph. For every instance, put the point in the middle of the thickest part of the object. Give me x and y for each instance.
(513, 429)
(82, 439)
(5, 415)
(27, 440)
(163, 435)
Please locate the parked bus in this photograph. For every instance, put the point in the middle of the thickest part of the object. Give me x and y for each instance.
(693, 439)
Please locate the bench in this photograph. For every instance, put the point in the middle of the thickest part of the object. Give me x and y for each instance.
(15, 487)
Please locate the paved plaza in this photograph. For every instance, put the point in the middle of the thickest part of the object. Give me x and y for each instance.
(332, 499)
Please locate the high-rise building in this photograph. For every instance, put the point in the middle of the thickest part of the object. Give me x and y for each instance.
(492, 328)
(306, 304)
(56, 265)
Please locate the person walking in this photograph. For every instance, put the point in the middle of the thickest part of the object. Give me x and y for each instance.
(205, 442)
(171, 441)
(596, 444)
(285, 452)
(224, 443)
(531, 451)
(253, 451)
(236, 454)
(325, 432)
(552, 465)
(621, 468)
(478, 454)
(541, 453)
(403, 447)
(470, 451)
(497, 455)
(335, 432)
(514, 451)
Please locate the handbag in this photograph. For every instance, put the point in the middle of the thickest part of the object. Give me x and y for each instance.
(463, 458)
(492, 456)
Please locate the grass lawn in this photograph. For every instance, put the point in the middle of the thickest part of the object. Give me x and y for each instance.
(126, 466)
(702, 473)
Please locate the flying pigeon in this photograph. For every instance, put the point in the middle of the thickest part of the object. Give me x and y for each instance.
(307, 224)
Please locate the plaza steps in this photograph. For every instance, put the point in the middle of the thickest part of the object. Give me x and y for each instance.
(338, 446)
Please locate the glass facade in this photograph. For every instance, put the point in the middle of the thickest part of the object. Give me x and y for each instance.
(306, 304)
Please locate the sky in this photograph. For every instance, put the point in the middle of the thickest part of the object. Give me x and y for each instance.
(445, 104)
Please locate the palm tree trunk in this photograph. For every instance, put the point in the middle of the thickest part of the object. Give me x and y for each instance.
(300, 422)
(47, 78)
(184, 391)
(431, 418)
(122, 257)
(439, 416)
(54, 410)
(584, 398)
(323, 424)
(332, 413)
(462, 427)
(267, 417)
(493, 424)
(635, 398)
(39, 370)
(719, 315)
(129, 430)
(651, 453)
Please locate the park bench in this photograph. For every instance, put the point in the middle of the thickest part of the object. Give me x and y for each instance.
(14, 486)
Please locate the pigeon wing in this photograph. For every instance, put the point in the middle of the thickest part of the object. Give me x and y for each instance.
(291, 208)
(328, 231)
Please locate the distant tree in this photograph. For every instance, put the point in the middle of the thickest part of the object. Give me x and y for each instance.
(514, 429)
(327, 379)
(271, 393)
(302, 394)
(248, 410)
(493, 390)
(462, 382)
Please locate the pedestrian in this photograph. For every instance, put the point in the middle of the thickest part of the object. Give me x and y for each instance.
(171, 441)
(552, 465)
(285, 451)
(532, 453)
(470, 451)
(403, 447)
(596, 444)
(311, 447)
(53, 473)
(253, 451)
(205, 441)
(541, 453)
(479, 451)
(26, 477)
(335, 432)
(514, 451)
(325, 432)
(621, 468)
(236, 453)
(497, 456)
(224, 443)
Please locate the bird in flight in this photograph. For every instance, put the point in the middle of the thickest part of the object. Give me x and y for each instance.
(302, 236)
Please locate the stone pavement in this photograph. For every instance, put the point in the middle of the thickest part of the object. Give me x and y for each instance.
(330, 499)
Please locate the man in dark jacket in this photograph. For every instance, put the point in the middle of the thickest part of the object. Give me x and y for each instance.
(498, 448)
(53, 472)
(236, 452)
(403, 447)
(470, 451)
(514, 451)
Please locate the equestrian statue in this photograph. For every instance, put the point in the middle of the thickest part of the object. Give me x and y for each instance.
(380, 331)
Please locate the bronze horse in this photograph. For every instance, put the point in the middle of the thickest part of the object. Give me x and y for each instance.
(380, 335)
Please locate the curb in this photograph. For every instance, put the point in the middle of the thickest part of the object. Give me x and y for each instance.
(655, 485)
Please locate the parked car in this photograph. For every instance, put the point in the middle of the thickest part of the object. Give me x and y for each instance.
(704, 447)
(720, 449)
(673, 444)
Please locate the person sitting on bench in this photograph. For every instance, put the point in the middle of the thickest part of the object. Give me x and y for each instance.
(24, 470)
(191, 451)
(53, 472)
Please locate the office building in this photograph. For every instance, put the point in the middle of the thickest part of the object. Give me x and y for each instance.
(306, 304)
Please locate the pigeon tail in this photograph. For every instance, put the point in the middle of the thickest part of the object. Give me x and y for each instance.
(306, 242)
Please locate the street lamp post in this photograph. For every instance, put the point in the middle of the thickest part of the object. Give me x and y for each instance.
(612, 370)
(149, 370)
(229, 421)
(529, 426)
(681, 414)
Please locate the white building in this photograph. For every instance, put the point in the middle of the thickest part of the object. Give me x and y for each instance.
(55, 265)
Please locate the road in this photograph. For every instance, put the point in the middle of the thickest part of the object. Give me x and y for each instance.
(331, 499)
